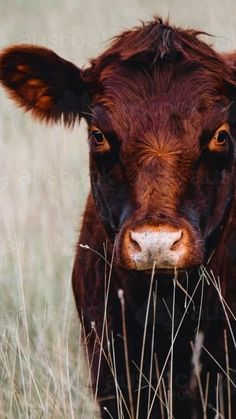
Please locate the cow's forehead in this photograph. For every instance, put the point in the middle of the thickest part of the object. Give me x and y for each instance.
(170, 101)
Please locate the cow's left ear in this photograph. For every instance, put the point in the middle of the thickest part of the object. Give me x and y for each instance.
(42, 82)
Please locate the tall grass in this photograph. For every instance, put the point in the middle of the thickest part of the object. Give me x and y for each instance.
(162, 391)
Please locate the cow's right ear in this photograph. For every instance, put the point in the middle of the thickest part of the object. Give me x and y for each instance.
(44, 83)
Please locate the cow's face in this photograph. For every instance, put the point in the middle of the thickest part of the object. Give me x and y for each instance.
(162, 163)
(161, 135)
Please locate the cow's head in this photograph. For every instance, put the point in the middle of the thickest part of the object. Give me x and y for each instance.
(160, 108)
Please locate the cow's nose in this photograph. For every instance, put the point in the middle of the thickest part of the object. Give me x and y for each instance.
(164, 246)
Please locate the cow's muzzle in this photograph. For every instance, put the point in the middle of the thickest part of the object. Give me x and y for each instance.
(169, 247)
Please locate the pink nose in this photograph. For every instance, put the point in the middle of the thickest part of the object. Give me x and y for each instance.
(163, 245)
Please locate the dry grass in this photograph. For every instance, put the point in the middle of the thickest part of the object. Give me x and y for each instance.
(43, 185)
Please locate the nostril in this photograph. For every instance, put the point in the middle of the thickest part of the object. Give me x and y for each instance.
(177, 241)
(135, 245)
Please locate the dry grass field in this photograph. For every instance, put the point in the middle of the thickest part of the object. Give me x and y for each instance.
(43, 186)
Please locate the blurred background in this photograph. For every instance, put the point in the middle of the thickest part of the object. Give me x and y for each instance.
(43, 186)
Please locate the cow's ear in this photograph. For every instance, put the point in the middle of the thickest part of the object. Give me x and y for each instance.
(44, 83)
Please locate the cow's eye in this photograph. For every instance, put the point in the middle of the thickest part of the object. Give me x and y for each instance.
(98, 137)
(221, 137)
(220, 140)
(99, 140)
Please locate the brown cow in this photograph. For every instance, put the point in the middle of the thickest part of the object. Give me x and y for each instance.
(154, 281)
